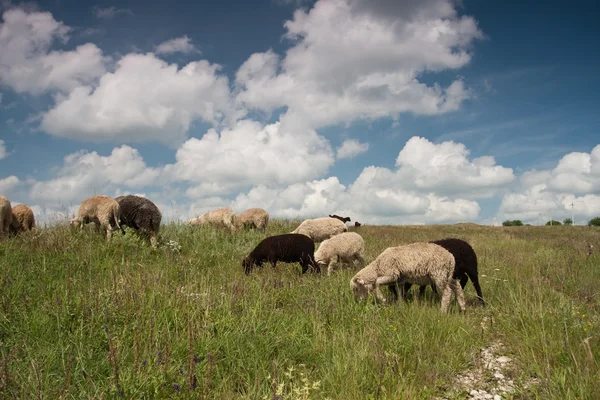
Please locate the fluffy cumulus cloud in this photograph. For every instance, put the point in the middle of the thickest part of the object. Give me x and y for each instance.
(362, 59)
(145, 98)
(571, 188)
(85, 174)
(351, 148)
(178, 45)
(249, 154)
(7, 184)
(28, 63)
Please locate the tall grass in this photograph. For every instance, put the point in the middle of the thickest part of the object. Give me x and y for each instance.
(83, 319)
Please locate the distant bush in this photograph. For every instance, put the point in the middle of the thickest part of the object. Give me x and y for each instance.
(568, 221)
(594, 222)
(515, 222)
(553, 222)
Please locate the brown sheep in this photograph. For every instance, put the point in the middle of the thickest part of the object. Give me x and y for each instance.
(102, 210)
(22, 219)
(256, 218)
(5, 215)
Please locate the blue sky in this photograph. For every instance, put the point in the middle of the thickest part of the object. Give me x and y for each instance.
(392, 112)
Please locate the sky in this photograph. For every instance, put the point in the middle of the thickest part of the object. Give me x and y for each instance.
(387, 111)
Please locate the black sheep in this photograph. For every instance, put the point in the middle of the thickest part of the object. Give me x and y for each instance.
(357, 224)
(343, 219)
(465, 268)
(140, 214)
(289, 247)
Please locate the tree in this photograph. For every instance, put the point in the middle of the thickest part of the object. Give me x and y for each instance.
(568, 221)
(515, 222)
(594, 222)
(553, 222)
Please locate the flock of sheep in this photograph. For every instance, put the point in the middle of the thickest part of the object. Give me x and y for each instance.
(440, 264)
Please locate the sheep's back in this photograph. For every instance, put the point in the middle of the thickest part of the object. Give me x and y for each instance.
(320, 229)
(139, 211)
(289, 245)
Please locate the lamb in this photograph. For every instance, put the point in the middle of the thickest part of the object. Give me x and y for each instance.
(320, 229)
(418, 263)
(343, 219)
(221, 217)
(102, 210)
(252, 218)
(289, 247)
(347, 248)
(466, 265)
(5, 215)
(22, 219)
(142, 215)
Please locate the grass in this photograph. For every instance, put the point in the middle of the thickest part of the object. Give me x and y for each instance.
(82, 319)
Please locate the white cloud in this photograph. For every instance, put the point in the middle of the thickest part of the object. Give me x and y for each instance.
(8, 183)
(178, 45)
(86, 174)
(250, 154)
(445, 168)
(3, 152)
(351, 62)
(144, 99)
(110, 12)
(573, 186)
(28, 64)
(351, 148)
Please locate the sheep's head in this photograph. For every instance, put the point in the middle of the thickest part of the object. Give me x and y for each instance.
(247, 264)
(74, 222)
(360, 288)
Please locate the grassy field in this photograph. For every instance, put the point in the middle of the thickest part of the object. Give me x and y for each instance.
(82, 319)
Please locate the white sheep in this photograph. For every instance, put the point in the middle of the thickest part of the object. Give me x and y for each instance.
(5, 215)
(320, 229)
(221, 217)
(417, 263)
(346, 248)
(102, 210)
(256, 218)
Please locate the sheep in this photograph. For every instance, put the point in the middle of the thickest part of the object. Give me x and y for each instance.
(357, 224)
(346, 247)
(252, 218)
(221, 217)
(289, 247)
(140, 214)
(320, 229)
(418, 263)
(5, 215)
(22, 219)
(343, 219)
(102, 210)
(465, 265)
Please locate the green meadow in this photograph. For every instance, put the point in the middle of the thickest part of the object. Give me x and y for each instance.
(83, 319)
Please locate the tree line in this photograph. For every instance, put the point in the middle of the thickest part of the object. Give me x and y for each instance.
(566, 221)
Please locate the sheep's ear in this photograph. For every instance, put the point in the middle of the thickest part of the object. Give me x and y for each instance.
(360, 282)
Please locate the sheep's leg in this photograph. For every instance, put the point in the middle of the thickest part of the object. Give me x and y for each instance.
(406, 287)
(153, 240)
(383, 280)
(361, 260)
(394, 289)
(108, 234)
(329, 268)
(446, 294)
(460, 297)
(475, 280)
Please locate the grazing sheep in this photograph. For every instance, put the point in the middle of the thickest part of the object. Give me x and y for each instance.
(346, 248)
(320, 229)
(418, 263)
(5, 215)
(142, 215)
(256, 218)
(343, 219)
(357, 224)
(22, 219)
(465, 265)
(221, 218)
(102, 210)
(289, 247)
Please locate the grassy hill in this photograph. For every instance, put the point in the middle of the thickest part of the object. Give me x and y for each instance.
(83, 319)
